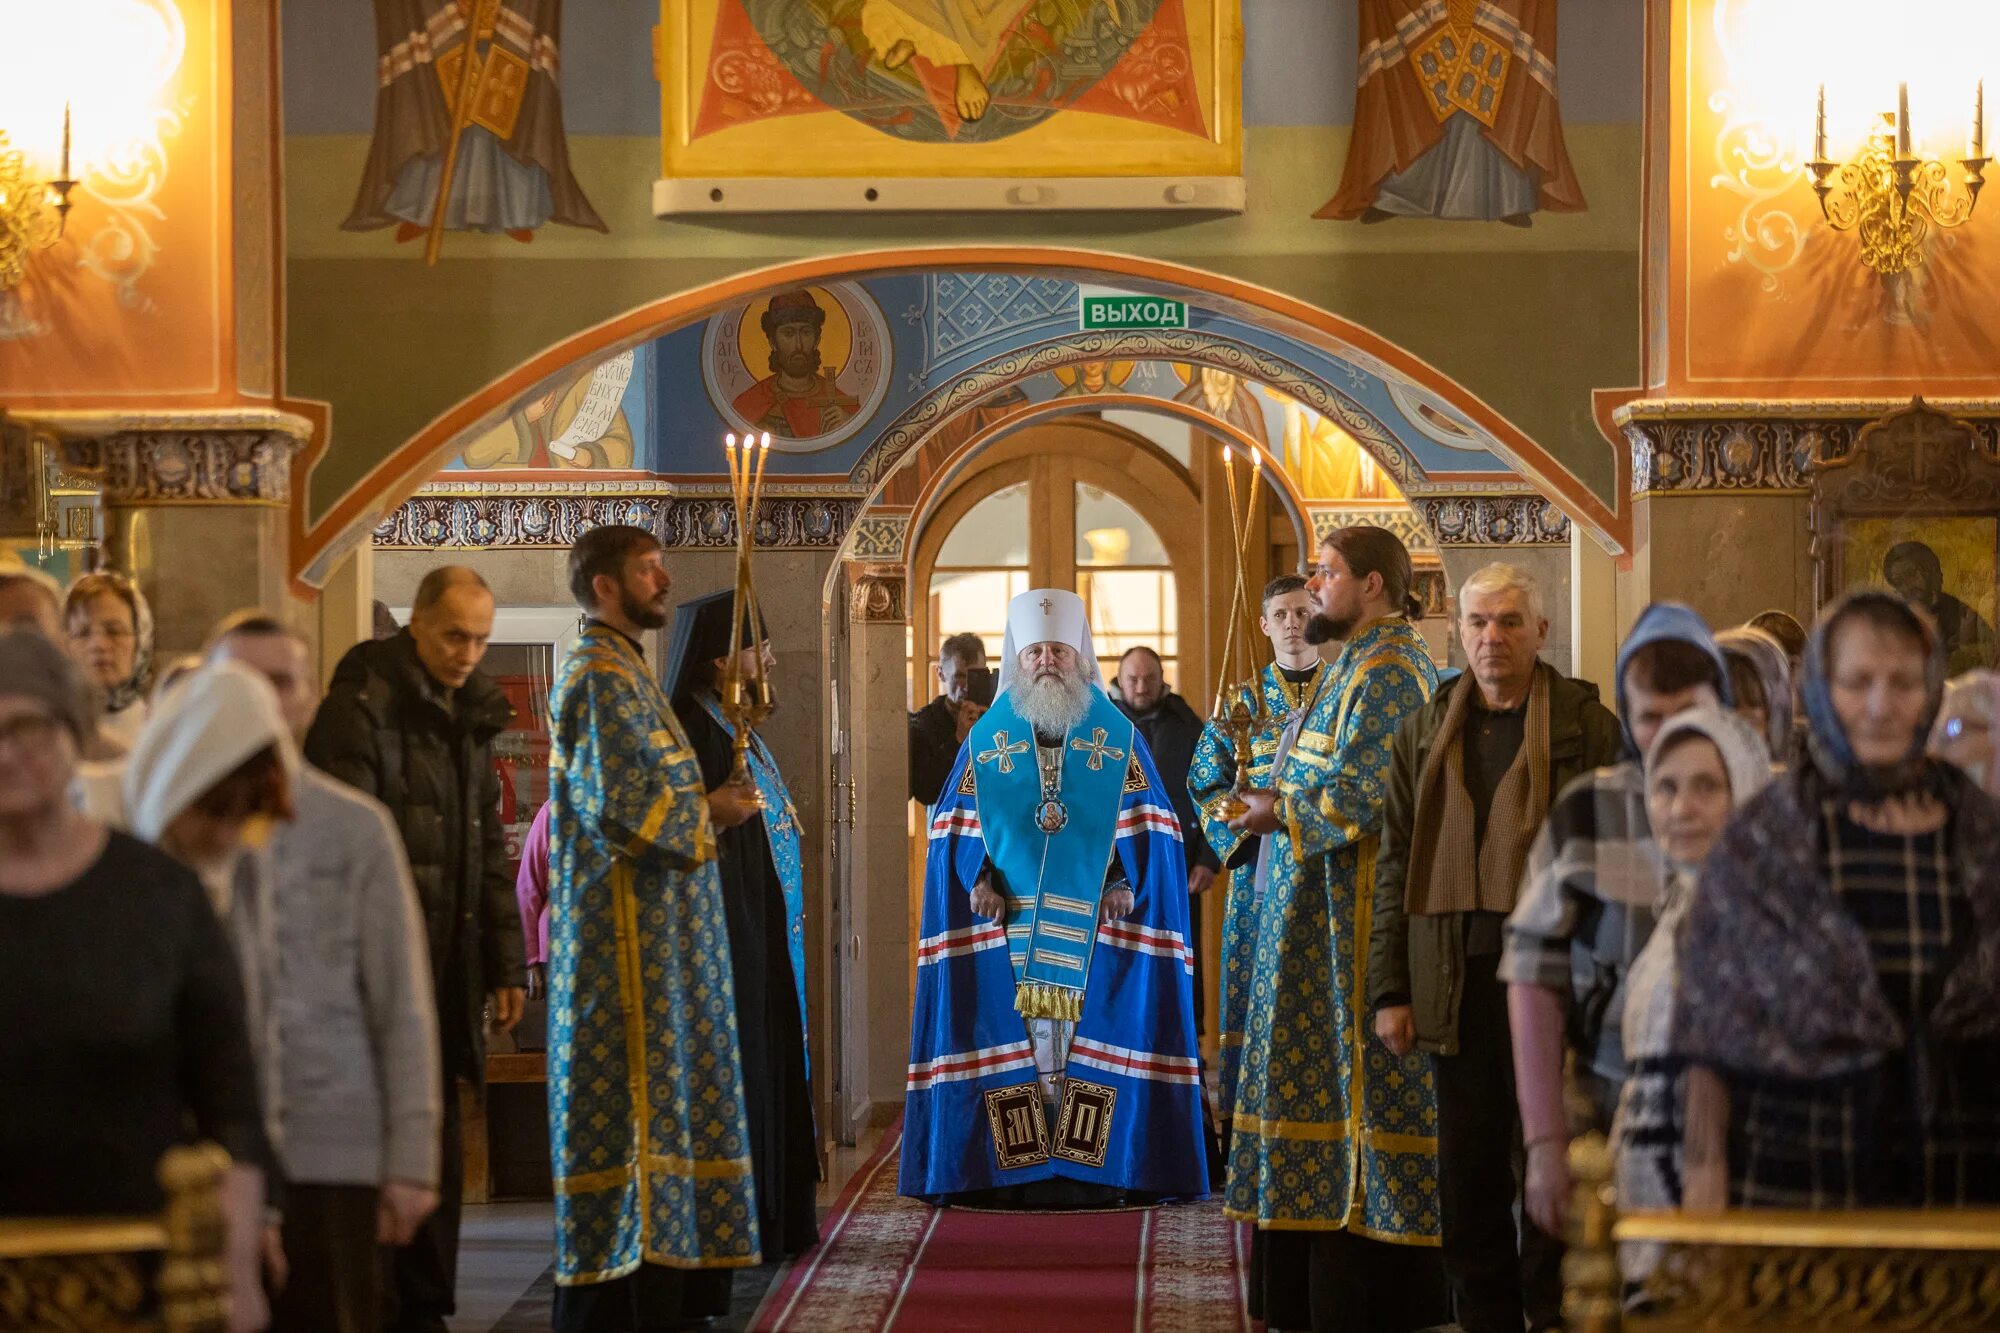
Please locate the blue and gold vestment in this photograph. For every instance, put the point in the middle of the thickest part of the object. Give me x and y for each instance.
(1210, 778)
(650, 1149)
(1330, 1130)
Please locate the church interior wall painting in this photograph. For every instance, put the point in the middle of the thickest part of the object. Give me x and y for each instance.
(1762, 297)
(483, 132)
(355, 302)
(595, 418)
(818, 365)
(136, 297)
(910, 358)
(950, 88)
(1456, 115)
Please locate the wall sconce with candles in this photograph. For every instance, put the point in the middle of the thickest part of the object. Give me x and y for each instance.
(1890, 197)
(33, 213)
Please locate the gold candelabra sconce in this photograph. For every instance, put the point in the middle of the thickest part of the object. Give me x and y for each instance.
(746, 696)
(1239, 708)
(1890, 197)
(33, 214)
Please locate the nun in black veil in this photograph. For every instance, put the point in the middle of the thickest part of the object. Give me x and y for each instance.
(763, 894)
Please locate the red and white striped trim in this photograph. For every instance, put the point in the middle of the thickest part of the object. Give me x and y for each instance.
(1137, 1064)
(1149, 819)
(971, 1064)
(966, 939)
(1145, 939)
(963, 820)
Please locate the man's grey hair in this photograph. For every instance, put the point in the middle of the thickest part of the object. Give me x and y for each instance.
(441, 581)
(1502, 577)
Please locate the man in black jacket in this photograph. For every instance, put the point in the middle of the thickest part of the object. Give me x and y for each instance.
(1172, 729)
(939, 727)
(410, 720)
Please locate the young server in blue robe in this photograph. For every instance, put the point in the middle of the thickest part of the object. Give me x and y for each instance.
(1053, 1058)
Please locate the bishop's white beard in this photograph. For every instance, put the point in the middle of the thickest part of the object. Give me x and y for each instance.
(1052, 707)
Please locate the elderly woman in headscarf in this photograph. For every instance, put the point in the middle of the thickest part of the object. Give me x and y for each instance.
(1704, 765)
(1760, 682)
(110, 630)
(129, 1034)
(1966, 728)
(1841, 1020)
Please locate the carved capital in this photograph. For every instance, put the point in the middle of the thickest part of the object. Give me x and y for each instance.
(226, 456)
(879, 595)
(1715, 446)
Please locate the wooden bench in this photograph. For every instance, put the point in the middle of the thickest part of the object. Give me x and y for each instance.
(100, 1274)
(1783, 1271)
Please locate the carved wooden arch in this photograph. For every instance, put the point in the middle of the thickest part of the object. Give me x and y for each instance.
(1916, 462)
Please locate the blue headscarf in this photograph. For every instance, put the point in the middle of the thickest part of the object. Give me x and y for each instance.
(1837, 771)
(1661, 621)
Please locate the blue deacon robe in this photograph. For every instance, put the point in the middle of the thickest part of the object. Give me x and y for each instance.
(1332, 1132)
(650, 1148)
(1210, 778)
(1131, 1113)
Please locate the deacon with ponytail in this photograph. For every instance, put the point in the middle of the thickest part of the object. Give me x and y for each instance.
(1356, 1243)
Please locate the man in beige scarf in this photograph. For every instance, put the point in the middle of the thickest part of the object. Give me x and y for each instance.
(1471, 777)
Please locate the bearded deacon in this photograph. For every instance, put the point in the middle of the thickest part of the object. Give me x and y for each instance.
(1053, 1060)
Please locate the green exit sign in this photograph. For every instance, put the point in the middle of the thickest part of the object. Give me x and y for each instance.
(1102, 310)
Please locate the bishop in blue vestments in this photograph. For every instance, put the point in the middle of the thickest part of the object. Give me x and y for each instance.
(1053, 1058)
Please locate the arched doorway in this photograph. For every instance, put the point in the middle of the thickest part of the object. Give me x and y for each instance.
(1072, 503)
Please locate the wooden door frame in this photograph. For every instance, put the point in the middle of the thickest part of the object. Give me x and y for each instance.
(1063, 453)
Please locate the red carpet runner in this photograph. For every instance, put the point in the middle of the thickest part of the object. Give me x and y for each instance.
(894, 1263)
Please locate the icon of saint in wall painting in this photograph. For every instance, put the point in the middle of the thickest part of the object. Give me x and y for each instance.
(1225, 397)
(838, 87)
(483, 134)
(808, 365)
(1455, 115)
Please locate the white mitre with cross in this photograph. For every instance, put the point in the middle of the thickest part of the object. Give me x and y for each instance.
(1047, 615)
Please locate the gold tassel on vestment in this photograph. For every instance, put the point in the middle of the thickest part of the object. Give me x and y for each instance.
(1039, 999)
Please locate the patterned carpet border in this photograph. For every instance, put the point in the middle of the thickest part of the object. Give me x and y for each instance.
(1191, 1276)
